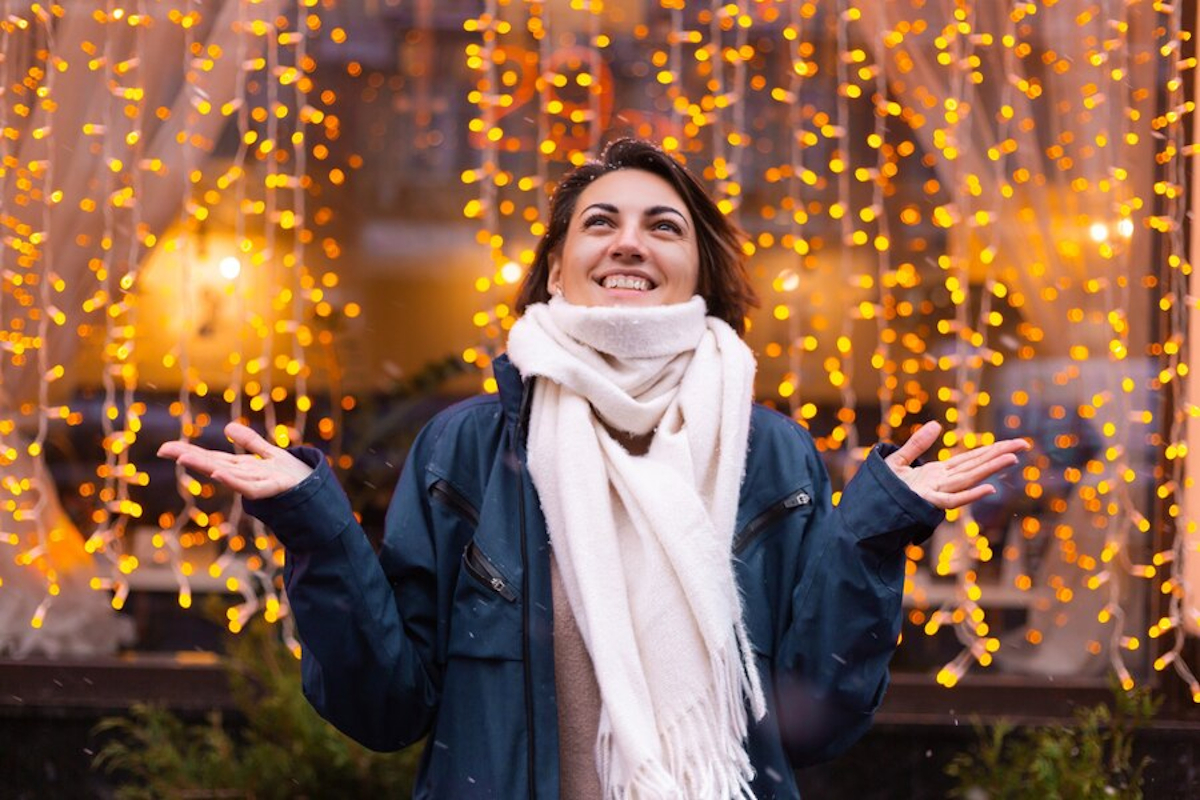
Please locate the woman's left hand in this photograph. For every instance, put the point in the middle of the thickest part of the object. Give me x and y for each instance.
(959, 479)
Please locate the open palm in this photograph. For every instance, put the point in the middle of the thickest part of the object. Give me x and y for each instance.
(263, 471)
(958, 480)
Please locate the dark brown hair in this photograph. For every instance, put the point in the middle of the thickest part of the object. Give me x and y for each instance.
(722, 281)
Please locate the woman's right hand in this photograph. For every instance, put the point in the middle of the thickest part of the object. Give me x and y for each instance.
(264, 471)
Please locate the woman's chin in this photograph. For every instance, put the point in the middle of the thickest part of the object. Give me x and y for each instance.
(659, 296)
(620, 297)
(633, 297)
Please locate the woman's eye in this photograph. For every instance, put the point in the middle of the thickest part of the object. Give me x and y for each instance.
(596, 220)
(667, 225)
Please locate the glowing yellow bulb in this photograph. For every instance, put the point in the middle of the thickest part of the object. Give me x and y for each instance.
(230, 267)
(511, 272)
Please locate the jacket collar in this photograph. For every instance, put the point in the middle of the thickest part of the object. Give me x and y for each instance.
(511, 388)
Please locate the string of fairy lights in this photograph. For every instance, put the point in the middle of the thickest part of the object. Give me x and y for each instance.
(1177, 112)
(75, 248)
(115, 273)
(947, 207)
(948, 305)
(8, 453)
(45, 170)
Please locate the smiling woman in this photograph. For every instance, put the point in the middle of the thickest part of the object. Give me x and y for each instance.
(632, 197)
(631, 242)
(617, 577)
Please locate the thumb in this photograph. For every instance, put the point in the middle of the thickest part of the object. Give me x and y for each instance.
(916, 445)
(249, 440)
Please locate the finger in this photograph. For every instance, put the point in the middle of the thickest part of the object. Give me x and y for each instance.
(195, 452)
(962, 480)
(171, 449)
(1011, 446)
(249, 440)
(967, 458)
(964, 463)
(916, 445)
(970, 457)
(195, 456)
(177, 448)
(199, 460)
(951, 500)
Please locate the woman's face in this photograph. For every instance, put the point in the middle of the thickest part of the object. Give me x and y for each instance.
(631, 241)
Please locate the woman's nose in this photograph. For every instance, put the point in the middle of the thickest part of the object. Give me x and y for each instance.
(628, 244)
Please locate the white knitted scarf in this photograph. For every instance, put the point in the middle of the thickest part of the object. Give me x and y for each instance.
(643, 543)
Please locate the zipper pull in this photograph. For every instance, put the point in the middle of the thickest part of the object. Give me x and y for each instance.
(800, 498)
(498, 585)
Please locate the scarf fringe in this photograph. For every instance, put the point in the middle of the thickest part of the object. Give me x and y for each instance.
(703, 756)
(751, 682)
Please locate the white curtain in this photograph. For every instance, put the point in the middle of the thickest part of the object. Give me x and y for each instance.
(80, 620)
(1043, 237)
(1046, 239)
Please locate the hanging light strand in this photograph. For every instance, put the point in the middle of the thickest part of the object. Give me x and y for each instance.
(121, 194)
(674, 76)
(188, 487)
(595, 82)
(794, 281)
(271, 218)
(883, 309)
(721, 171)
(485, 208)
(235, 394)
(1176, 275)
(42, 484)
(540, 18)
(232, 565)
(963, 549)
(845, 434)
(9, 456)
(1118, 298)
(301, 305)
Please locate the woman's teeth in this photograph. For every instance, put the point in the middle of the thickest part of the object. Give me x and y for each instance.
(626, 282)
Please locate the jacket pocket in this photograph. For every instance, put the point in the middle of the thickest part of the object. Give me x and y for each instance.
(484, 571)
(761, 556)
(799, 499)
(486, 613)
(445, 493)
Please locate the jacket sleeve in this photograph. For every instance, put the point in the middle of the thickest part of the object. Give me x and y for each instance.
(832, 658)
(367, 661)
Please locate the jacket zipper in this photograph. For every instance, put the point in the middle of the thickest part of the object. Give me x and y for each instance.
(519, 448)
(476, 562)
(484, 571)
(445, 491)
(763, 521)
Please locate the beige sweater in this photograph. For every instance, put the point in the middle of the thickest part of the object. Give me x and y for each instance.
(578, 701)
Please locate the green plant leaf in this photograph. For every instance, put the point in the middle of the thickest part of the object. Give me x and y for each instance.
(1093, 757)
(282, 751)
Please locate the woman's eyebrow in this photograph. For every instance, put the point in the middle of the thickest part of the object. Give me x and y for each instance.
(654, 211)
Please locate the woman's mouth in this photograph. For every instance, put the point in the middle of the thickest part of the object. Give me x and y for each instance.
(634, 283)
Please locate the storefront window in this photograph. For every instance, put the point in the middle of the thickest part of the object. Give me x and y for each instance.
(974, 218)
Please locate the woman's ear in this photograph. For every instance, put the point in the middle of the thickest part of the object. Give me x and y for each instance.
(554, 276)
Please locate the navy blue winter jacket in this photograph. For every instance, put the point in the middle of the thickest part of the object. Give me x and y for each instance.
(447, 632)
